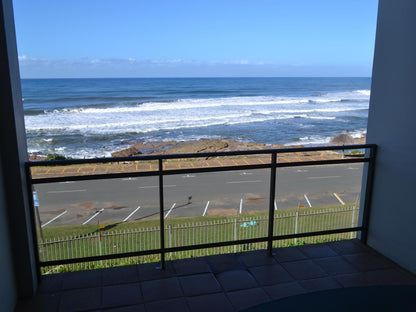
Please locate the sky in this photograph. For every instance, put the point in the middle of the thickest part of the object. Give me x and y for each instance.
(195, 38)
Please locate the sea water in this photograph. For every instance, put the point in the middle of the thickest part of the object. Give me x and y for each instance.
(85, 118)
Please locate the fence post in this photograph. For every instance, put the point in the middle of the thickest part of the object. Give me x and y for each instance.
(296, 225)
(271, 203)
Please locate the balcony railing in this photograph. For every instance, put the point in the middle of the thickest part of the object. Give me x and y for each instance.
(164, 235)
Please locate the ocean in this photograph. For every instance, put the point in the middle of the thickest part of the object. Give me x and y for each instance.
(85, 118)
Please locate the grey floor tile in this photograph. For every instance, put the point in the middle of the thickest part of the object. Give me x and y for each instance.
(133, 308)
(199, 284)
(367, 261)
(222, 263)
(82, 279)
(317, 251)
(352, 280)
(348, 247)
(304, 269)
(51, 283)
(45, 302)
(80, 299)
(322, 283)
(191, 266)
(209, 303)
(392, 276)
(284, 290)
(161, 289)
(270, 274)
(336, 265)
(242, 299)
(152, 271)
(119, 295)
(120, 275)
(171, 305)
(257, 258)
(237, 279)
(288, 254)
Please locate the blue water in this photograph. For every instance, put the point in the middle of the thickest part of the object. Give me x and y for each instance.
(94, 117)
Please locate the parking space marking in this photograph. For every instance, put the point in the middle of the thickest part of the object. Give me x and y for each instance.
(131, 214)
(307, 200)
(206, 208)
(53, 219)
(155, 186)
(339, 199)
(170, 210)
(94, 215)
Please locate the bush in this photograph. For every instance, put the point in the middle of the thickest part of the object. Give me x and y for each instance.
(55, 156)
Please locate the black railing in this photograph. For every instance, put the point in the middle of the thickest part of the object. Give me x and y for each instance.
(161, 172)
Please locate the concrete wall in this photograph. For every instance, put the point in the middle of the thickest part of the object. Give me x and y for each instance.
(8, 293)
(392, 126)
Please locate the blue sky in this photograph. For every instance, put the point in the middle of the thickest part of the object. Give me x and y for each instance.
(168, 38)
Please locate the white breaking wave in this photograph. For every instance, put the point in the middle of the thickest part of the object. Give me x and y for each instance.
(193, 113)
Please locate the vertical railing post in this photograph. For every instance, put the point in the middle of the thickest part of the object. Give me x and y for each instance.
(368, 193)
(161, 216)
(271, 203)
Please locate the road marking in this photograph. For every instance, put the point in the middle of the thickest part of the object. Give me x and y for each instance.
(275, 205)
(339, 198)
(246, 173)
(352, 168)
(206, 207)
(53, 219)
(155, 186)
(327, 177)
(188, 176)
(246, 161)
(131, 214)
(241, 205)
(94, 215)
(170, 210)
(234, 162)
(302, 170)
(220, 163)
(261, 161)
(79, 169)
(129, 179)
(307, 200)
(69, 191)
(236, 182)
(67, 182)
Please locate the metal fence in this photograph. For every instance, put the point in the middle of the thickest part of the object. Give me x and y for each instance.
(157, 244)
(194, 233)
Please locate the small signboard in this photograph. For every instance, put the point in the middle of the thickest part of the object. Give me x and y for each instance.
(35, 199)
(301, 206)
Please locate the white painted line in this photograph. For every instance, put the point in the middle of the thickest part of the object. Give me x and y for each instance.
(241, 205)
(352, 168)
(327, 177)
(235, 182)
(246, 173)
(129, 179)
(67, 182)
(339, 198)
(94, 215)
(206, 207)
(307, 200)
(302, 170)
(53, 219)
(154, 186)
(68, 191)
(131, 214)
(170, 210)
(188, 176)
(275, 205)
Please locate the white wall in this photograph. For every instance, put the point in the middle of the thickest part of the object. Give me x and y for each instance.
(7, 284)
(392, 126)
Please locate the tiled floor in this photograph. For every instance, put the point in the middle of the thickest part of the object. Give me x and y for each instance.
(218, 283)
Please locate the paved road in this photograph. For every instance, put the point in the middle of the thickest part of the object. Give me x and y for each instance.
(228, 193)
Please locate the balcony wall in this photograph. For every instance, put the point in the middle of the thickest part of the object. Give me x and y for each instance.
(392, 127)
(7, 283)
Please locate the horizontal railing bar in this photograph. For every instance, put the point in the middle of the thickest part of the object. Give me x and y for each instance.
(195, 155)
(194, 247)
(195, 170)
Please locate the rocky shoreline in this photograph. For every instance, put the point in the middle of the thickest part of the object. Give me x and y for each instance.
(206, 146)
